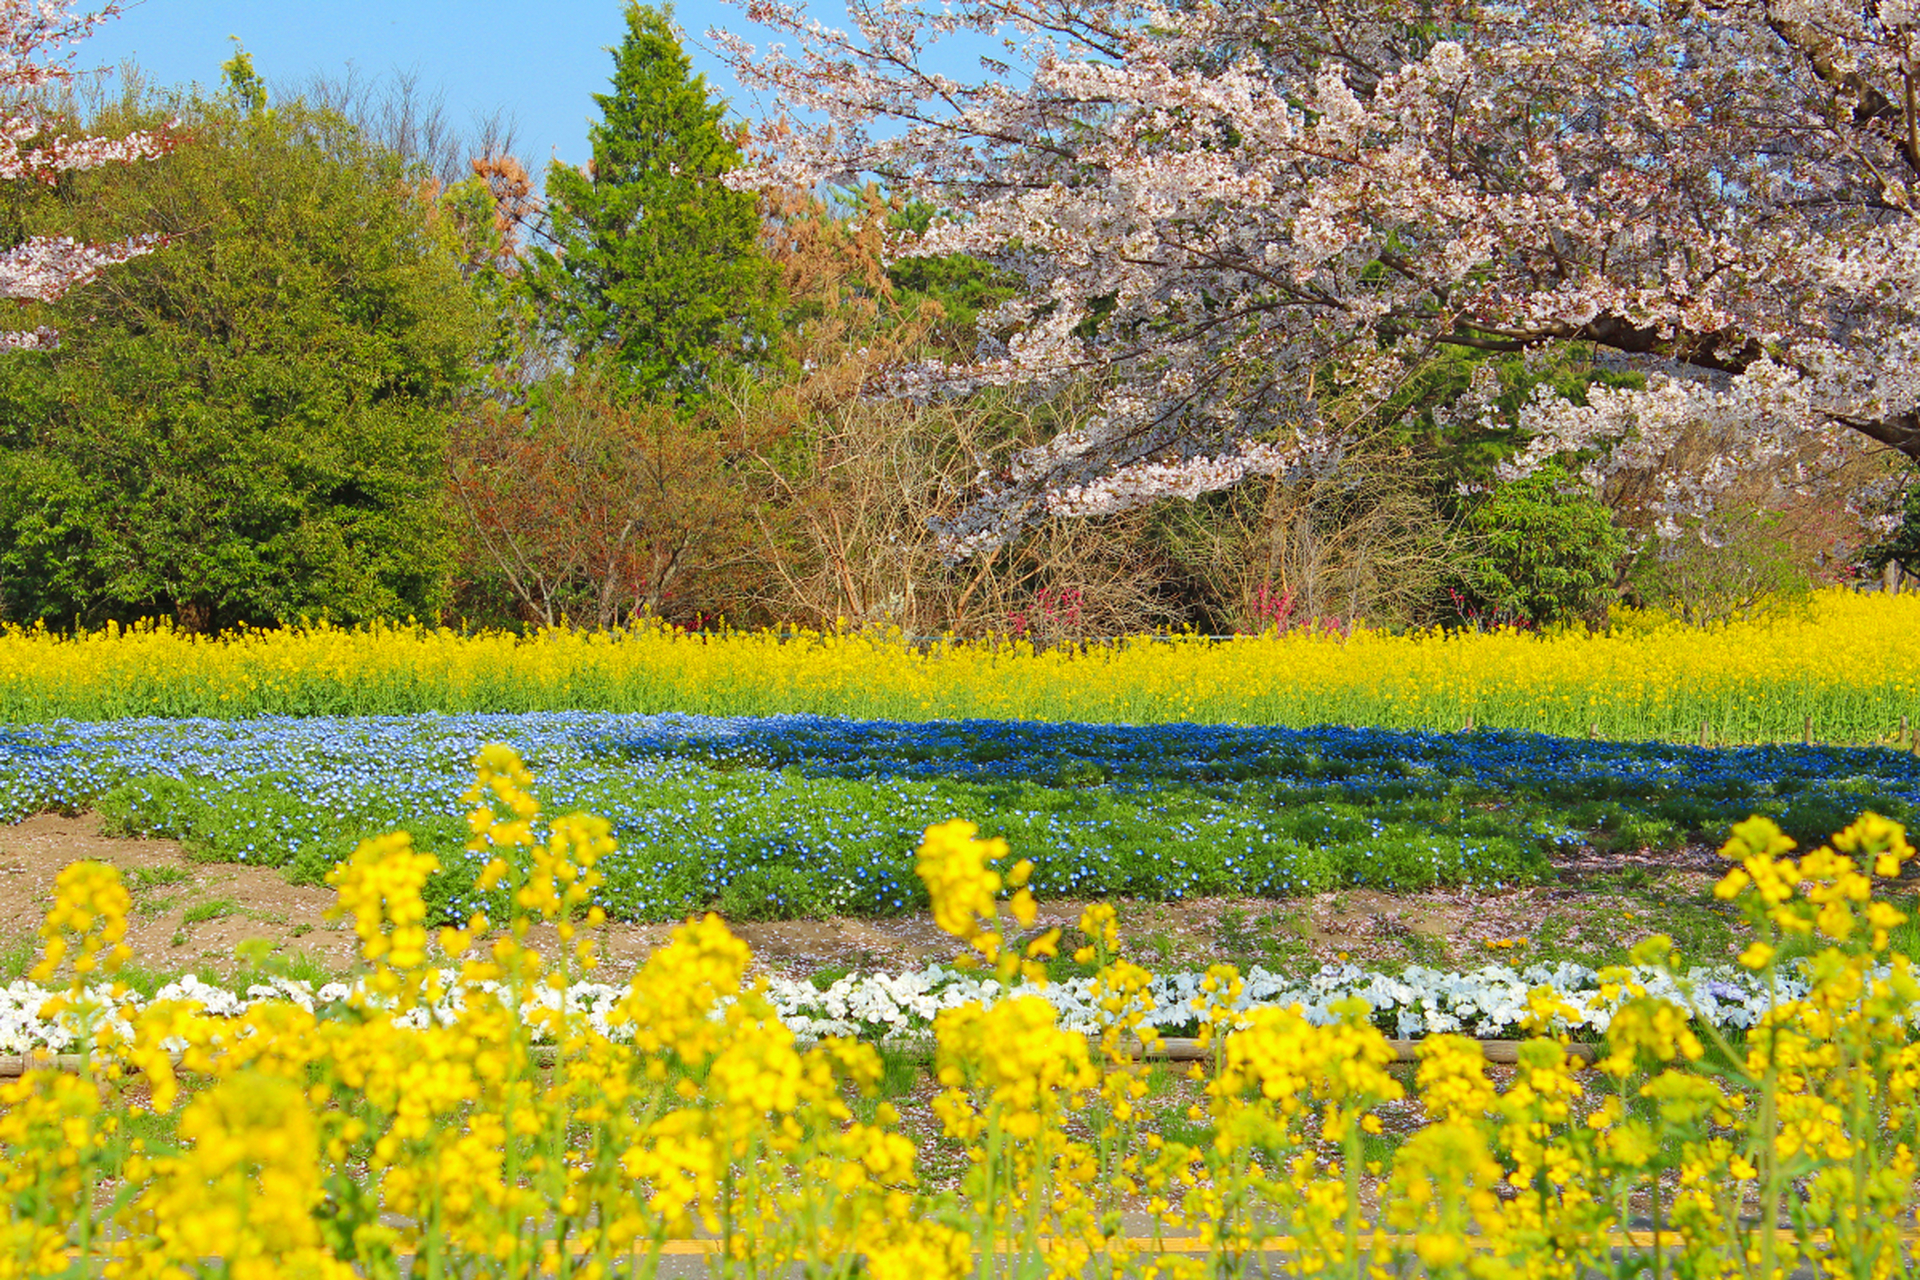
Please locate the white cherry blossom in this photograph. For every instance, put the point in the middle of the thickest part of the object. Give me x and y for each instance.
(37, 39)
(1235, 214)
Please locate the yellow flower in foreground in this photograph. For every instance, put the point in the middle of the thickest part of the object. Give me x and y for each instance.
(88, 920)
(952, 862)
(380, 888)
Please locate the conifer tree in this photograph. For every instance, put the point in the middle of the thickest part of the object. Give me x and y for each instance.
(654, 262)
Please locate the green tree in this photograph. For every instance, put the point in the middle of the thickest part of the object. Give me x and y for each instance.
(244, 85)
(1741, 563)
(656, 262)
(1901, 547)
(1547, 551)
(250, 425)
(962, 285)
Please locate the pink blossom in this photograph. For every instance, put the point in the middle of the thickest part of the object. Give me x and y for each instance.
(1233, 213)
(37, 39)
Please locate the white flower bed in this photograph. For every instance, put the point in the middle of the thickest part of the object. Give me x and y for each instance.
(1487, 1003)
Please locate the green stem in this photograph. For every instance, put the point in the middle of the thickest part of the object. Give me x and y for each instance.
(1769, 1137)
(1352, 1171)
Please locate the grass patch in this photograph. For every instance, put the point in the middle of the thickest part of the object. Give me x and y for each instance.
(261, 963)
(145, 982)
(201, 912)
(16, 957)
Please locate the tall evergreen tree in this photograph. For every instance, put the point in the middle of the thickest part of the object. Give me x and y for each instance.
(658, 264)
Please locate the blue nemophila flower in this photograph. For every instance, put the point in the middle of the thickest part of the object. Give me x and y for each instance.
(710, 807)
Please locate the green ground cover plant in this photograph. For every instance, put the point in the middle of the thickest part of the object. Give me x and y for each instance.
(808, 817)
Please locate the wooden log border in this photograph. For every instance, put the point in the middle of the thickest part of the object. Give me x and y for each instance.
(1167, 1049)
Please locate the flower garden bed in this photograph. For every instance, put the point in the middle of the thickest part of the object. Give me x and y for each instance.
(808, 816)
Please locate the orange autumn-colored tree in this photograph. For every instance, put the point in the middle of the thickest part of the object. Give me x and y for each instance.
(594, 510)
(842, 475)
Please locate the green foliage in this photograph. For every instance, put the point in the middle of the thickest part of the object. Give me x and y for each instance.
(214, 909)
(146, 983)
(243, 83)
(144, 878)
(760, 845)
(1468, 451)
(262, 965)
(961, 284)
(776, 892)
(1547, 552)
(262, 820)
(656, 262)
(1081, 773)
(154, 805)
(249, 425)
(1617, 826)
(1743, 566)
(1902, 547)
(17, 957)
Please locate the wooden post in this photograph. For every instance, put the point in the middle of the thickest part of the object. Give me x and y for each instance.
(1703, 733)
(1593, 731)
(1469, 722)
(1806, 732)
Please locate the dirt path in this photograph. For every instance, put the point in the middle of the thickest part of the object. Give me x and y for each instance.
(195, 916)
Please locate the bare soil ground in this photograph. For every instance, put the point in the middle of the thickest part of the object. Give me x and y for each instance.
(194, 916)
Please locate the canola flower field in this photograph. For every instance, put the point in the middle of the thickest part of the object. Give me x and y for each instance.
(368, 1137)
(1845, 663)
(517, 1116)
(805, 816)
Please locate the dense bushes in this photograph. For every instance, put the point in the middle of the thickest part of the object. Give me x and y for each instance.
(1545, 551)
(250, 425)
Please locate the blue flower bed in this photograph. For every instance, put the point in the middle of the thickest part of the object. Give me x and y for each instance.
(1149, 756)
(805, 815)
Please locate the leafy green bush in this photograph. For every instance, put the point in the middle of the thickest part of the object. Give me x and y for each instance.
(250, 424)
(1544, 551)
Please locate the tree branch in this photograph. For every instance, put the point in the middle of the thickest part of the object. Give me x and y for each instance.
(1870, 106)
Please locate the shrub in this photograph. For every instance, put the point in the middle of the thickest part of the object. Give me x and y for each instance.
(1545, 551)
(1740, 565)
(250, 426)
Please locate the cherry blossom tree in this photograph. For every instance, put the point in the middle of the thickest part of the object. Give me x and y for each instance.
(37, 50)
(1248, 220)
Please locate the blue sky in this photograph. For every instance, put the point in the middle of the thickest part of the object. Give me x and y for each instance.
(541, 62)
